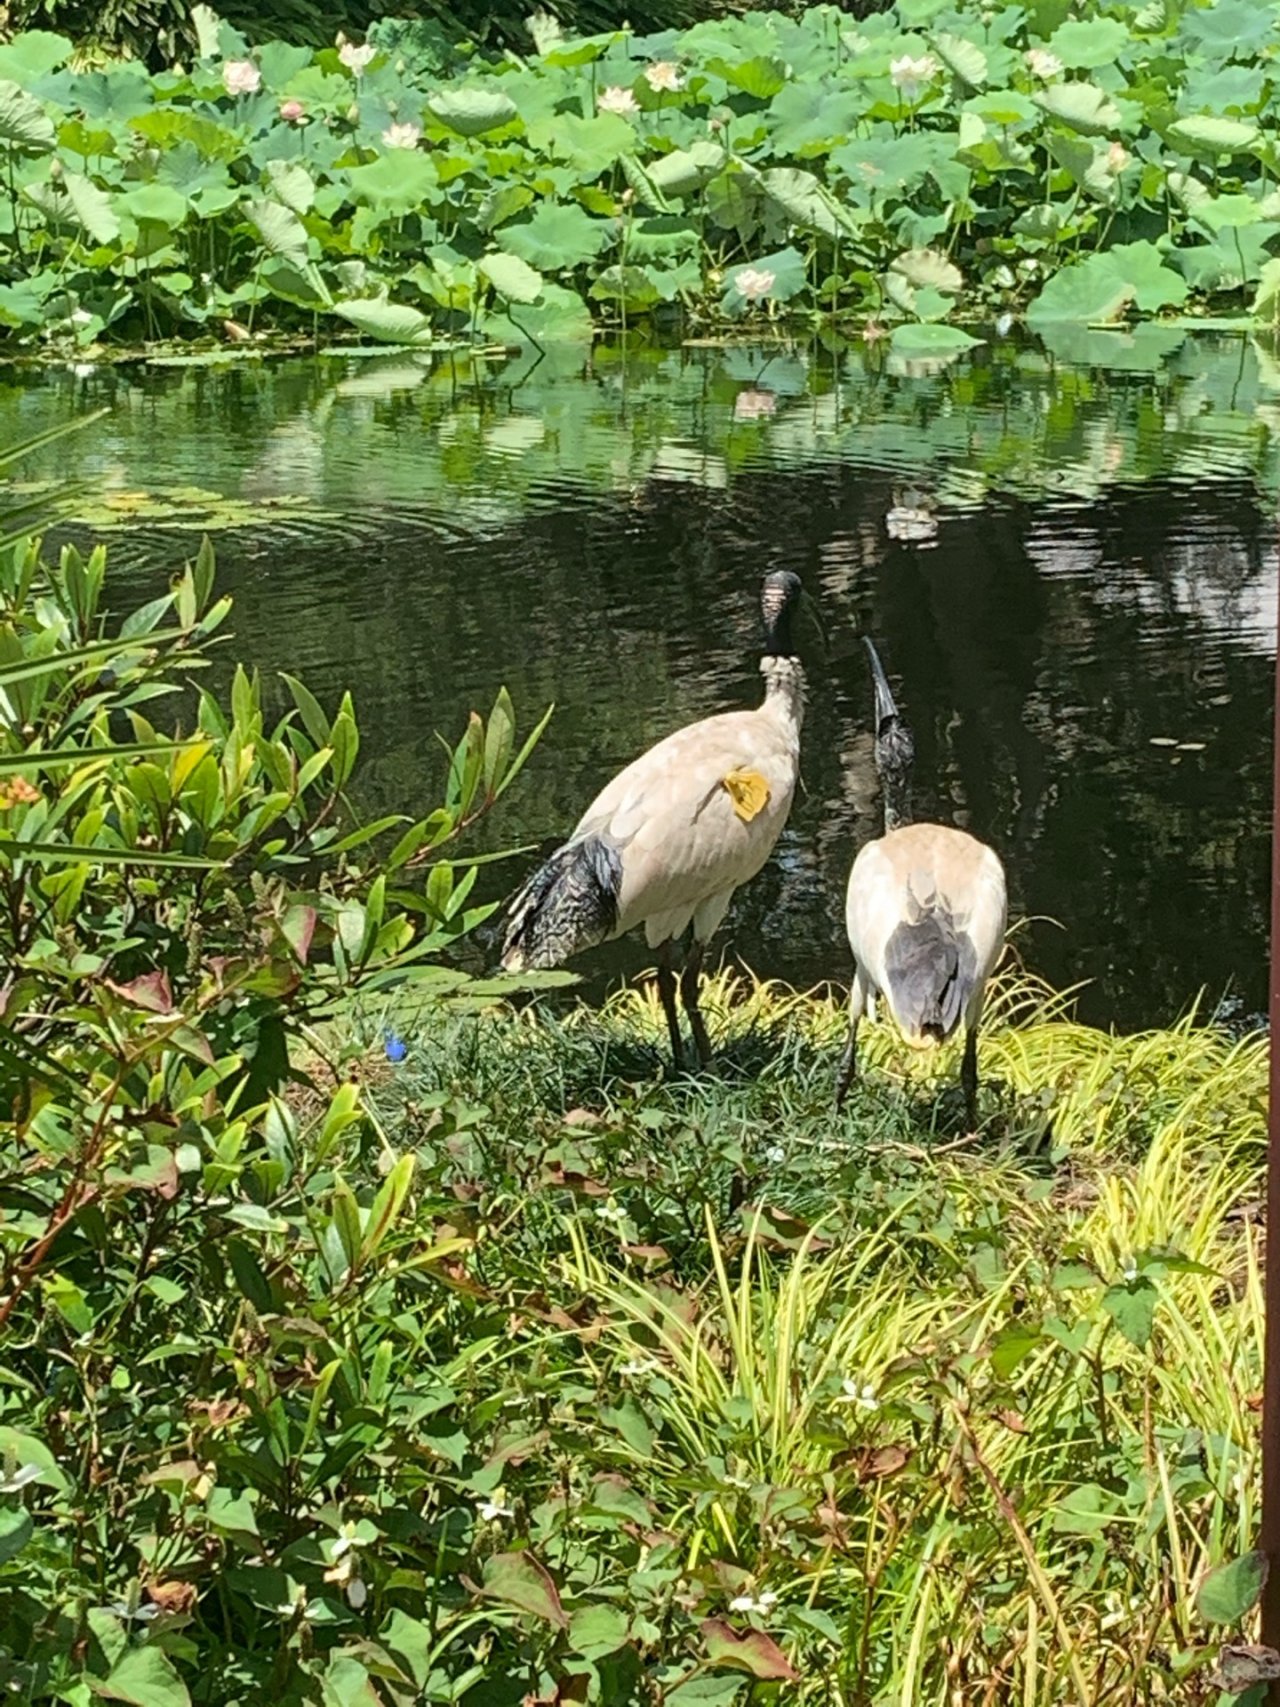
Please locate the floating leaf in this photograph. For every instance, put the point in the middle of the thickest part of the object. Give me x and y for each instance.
(932, 339)
(1231, 1590)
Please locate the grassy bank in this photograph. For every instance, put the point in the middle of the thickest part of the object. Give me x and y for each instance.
(529, 1376)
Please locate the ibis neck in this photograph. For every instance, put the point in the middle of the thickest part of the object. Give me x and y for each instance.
(784, 689)
(897, 802)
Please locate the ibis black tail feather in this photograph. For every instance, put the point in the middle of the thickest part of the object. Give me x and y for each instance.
(570, 903)
(931, 969)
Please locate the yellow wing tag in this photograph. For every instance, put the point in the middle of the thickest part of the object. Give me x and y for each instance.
(749, 792)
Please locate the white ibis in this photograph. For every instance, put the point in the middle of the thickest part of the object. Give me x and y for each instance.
(926, 913)
(669, 840)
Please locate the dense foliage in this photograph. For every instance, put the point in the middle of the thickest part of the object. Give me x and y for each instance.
(929, 160)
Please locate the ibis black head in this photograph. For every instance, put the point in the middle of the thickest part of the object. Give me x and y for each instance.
(895, 750)
(779, 596)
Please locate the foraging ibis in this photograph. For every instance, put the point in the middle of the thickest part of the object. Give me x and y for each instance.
(669, 840)
(926, 912)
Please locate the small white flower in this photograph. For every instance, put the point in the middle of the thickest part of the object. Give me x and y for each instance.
(663, 74)
(775, 1153)
(610, 1211)
(909, 75)
(861, 1394)
(1003, 323)
(637, 1366)
(617, 100)
(1118, 157)
(761, 1602)
(753, 284)
(241, 77)
(1043, 64)
(1128, 1270)
(356, 58)
(81, 317)
(404, 135)
(492, 1510)
(357, 1592)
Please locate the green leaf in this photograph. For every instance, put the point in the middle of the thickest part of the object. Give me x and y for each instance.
(686, 170)
(1230, 1591)
(1083, 291)
(517, 1579)
(1085, 1510)
(16, 1529)
(145, 1677)
(755, 1653)
(472, 112)
(914, 340)
(704, 1690)
(963, 59)
(23, 121)
(929, 269)
(788, 270)
(1082, 107)
(806, 201)
(762, 76)
(557, 236)
(155, 204)
(513, 278)
(91, 853)
(1211, 137)
(92, 207)
(1083, 44)
(1132, 1308)
(389, 322)
(280, 230)
(597, 1630)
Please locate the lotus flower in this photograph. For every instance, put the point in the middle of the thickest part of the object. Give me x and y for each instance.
(754, 284)
(1043, 64)
(355, 58)
(616, 100)
(909, 75)
(663, 74)
(402, 135)
(241, 77)
(750, 406)
(293, 112)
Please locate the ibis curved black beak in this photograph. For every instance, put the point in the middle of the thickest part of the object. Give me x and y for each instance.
(886, 705)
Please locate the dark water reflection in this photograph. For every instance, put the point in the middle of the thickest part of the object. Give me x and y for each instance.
(1084, 648)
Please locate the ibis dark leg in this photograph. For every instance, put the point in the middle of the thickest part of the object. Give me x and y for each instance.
(969, 1076)
(849, 1060)
(689, 990)
(667, 991)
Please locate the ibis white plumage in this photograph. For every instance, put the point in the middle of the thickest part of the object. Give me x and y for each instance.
(669, 840)
(926, 911)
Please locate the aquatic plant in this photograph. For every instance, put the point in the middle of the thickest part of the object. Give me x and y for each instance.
(932, 162)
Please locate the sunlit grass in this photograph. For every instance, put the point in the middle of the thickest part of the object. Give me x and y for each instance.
(978, 1408)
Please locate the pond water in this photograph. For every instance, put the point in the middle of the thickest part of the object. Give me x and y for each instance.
(1084, 644)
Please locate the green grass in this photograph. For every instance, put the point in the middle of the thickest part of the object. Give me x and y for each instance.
(976, 1408)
